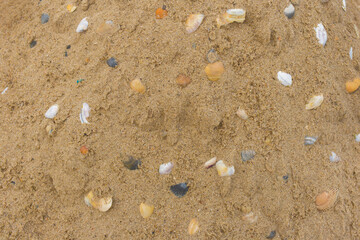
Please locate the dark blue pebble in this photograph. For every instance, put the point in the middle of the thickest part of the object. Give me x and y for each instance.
(286, 177)
(44, 18)
(68, 46)
(179, 190)
(271, 235)
(66, 54)
(33, 43)
(112, 62)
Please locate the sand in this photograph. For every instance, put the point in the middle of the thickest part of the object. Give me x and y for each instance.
(44, 178)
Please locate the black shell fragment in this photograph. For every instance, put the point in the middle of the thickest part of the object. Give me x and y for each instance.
(179, 190)
(271, 235)
(33, 43)
(112, 62)
(132, 163)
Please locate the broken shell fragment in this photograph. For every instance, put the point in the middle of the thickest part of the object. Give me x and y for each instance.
(344, 5)
(334, 157)
(247, 155)
(223, 170)
(160, 13)
(231, 15)
(351, 53)
(179, 190)
(310, 140)
(166, 168)
(132, 163)
(52, 111)
(242, 114)
(315, 102)
(83, 25)
(84, 150)
(250, 217)
(71, 8)
(102, 204)
(321, 34)
(193, 22)
(351, 86)
(289, 11)
(106, 28)
(214, 70)
(284, 78)
(357, 138)
(193, 226)
(326, 200)
(85, 113)
(146, 210)
(212, 56)
(210, 163)
(137, 85)
(183, 80)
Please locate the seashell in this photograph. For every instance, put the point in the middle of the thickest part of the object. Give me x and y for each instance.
(351, 86)
(214, 70)
(193, 22)
(132, 163)
(242, 114)
(160, 13)
(334, 157)
(326, 200)
(102, 204)
(83, 25)
(321, 34)
(4, 91)
(44, 18)
(183, 80)
(52, 111)
(223, 170)
(289, 11)
(247, 155)
(357, 138)
(344, 5)
(315, 102)
(231, 15)
(356, 31)
(212, 56)
(179, 190)
(112, 62)
(71, 8)
(84, 150)
(351, 53)
(166, 168)
(210, 163)
(250, 217)
(85, 113)
(284, 78)
(137, 85)
(310, 140)
(146, 210)
(106, 28)
(193, 226)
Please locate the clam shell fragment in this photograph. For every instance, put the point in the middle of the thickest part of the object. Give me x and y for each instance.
(223, 170)
(321, 34)
(210, 163)
(247, 155)
(85, 113)
(179, 190)
(357, 138)
(289, 11)
(146, 210)
(102, 204)
(193, 22)
(326, 200)
(52, 111)
(214, 70)
(310, 140)
(242, 114)
(231, 15)
(284, 78)
(132, 163)
(193, 226)
(334, 157)
(315, 102)
(83, 25)
(166, 168)
(137, 85)
(250, 217)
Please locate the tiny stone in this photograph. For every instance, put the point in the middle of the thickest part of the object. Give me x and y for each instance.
(132, 163)
(271, 235)
(66, 54)
(179, 190)
(33, 43)
(68, 46)
(112, 62)
(289, 11)
(44, 18)
(12, 182)
(286, 177)
(212, 35)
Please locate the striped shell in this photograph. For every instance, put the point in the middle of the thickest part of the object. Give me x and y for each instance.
(310, 140)
(193, 22)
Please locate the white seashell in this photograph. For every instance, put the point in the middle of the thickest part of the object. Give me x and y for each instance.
(321, 34)
(166, 168)
(223, 170)
(310, 140)
(231, 15)
(85, 113)
(289, 11)
(334, 157)
(210, 163)
(3, 92)
(314, 102)
(242, 114)
(83, 25)
(351, 53)
(357, 138)
(284, 78)
(104, 204)
(344, 5)
(193, 22)
(52, 111)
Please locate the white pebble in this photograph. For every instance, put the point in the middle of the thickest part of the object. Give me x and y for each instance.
(289, 11)
(284, 78)
(52, 111)
(83, 25)
(166, 168)
(210, 163)
(321, 34)
(3, 92)
(85, 113)
(357, 138)
(242, 114)
(344, 5)
(334, 157)
(351, 53)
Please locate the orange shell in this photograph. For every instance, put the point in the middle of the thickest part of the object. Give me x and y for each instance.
(160, 13)
(137, 85)
(357, 80)
(326, 199)
(84, 150)
(352, 86)
(193, 226)
(183, 80)
(214, 70)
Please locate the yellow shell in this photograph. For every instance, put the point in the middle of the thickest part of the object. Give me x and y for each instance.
(102, 204)
(231, 15)
(223, 170)
(214, 70)
(137, 85)
(242, 114)
(193, 226)
(326, 199)
(193, 22)
(71, 7)
(146, 210)
(352, 86)
(315, 102)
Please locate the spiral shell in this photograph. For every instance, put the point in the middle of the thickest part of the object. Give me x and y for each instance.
(327, 199)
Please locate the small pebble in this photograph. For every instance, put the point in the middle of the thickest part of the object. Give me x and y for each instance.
(183, 80)
(112, 62)
(3, 92)
(68, 46)
(271, 235)
(12, 182)
(132, 163)
(179, 190)
(289, 11)
(357, 138)
(44, 18)
(84, 150)
(286, 177)
(33, 43)
(66, 54)
(166, 168)
(334, 157)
